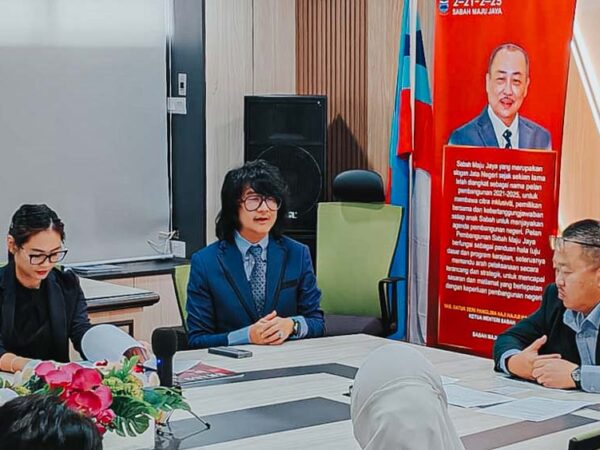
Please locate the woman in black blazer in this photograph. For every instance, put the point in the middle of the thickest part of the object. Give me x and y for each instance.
(41, 307)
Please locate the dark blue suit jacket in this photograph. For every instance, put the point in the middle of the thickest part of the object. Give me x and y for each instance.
(479, 132)
(219, 299)
(67, 308)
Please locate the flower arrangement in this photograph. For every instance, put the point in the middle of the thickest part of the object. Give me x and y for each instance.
(117, 397)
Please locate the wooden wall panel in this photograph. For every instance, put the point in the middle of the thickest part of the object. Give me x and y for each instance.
(427, 15)
(250, 48)
(228, 79)
(382, 46)
(348, 50)
(331, 51)
(580, 183)
(274, 29)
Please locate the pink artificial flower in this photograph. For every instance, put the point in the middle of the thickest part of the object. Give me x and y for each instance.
(57, 375)
(70, 368)
(105, 395)
(85, 379)
(82, 390)
(43, 368)
(86, 402)
(57, 378)
(105, 417)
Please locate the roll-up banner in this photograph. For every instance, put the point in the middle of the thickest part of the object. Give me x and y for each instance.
(500, 80)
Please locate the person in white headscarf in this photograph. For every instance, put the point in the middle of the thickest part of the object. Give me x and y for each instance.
(398, 403)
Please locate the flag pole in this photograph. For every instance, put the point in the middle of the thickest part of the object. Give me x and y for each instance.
(412, 70)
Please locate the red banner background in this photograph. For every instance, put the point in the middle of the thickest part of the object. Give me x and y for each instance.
(465, 34)
(496, 218)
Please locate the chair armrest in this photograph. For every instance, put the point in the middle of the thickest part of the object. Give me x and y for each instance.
(585, 441)
(389, 306)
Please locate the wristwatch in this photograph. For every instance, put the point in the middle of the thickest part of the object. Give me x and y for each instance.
(296, 329)
(576, 376)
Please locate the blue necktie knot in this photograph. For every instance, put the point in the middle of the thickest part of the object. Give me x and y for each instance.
(255, 251)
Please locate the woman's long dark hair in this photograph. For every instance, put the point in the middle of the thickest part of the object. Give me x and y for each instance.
(264, 179)
(31, 219)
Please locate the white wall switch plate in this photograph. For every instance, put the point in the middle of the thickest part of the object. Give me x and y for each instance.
(176, 105)
(178, 248)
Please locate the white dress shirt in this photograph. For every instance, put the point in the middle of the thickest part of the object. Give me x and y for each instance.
(500, 128)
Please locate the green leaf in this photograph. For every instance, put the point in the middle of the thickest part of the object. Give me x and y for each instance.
(165, 399)
(35, 384)
(125, 369)
(133, 416)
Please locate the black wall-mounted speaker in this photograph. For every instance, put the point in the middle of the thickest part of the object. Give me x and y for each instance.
(290, 132)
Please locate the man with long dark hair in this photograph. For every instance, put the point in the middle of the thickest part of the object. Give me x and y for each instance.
(254, 285)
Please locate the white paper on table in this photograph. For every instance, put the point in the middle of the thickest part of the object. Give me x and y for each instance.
(448, 380)
(179, 365)
(468, 398)
(7, 395)
(508, 390)
(530, 384)
(106, 342)
(535, 409)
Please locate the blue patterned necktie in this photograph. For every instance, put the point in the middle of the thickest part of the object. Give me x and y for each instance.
(258, 279)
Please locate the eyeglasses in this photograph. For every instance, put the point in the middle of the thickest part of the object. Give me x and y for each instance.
(40, 258)
(254, 201)
(558, 242)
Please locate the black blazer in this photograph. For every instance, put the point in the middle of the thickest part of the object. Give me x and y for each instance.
(66, 305)
(548, 320)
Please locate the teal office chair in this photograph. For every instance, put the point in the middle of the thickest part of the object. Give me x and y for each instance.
(356, 241)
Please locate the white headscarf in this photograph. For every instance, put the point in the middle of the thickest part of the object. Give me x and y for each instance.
(398, 403)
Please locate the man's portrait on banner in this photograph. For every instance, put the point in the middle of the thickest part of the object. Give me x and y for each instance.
(500, 124)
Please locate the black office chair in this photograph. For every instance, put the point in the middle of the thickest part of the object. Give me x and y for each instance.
(362, 186)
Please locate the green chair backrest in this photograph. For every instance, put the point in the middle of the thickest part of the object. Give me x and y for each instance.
(181, 275)
(586, 441)
(355, 246)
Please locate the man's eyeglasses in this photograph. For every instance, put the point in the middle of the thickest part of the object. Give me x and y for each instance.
(254, 201)
(38, 259)
(558, 242)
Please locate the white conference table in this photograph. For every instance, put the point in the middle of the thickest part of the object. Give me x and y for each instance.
(263, 393)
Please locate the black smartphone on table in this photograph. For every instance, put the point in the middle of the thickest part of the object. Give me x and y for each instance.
(230, 352)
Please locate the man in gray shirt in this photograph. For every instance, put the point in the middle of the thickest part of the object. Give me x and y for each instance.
(557, 346)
